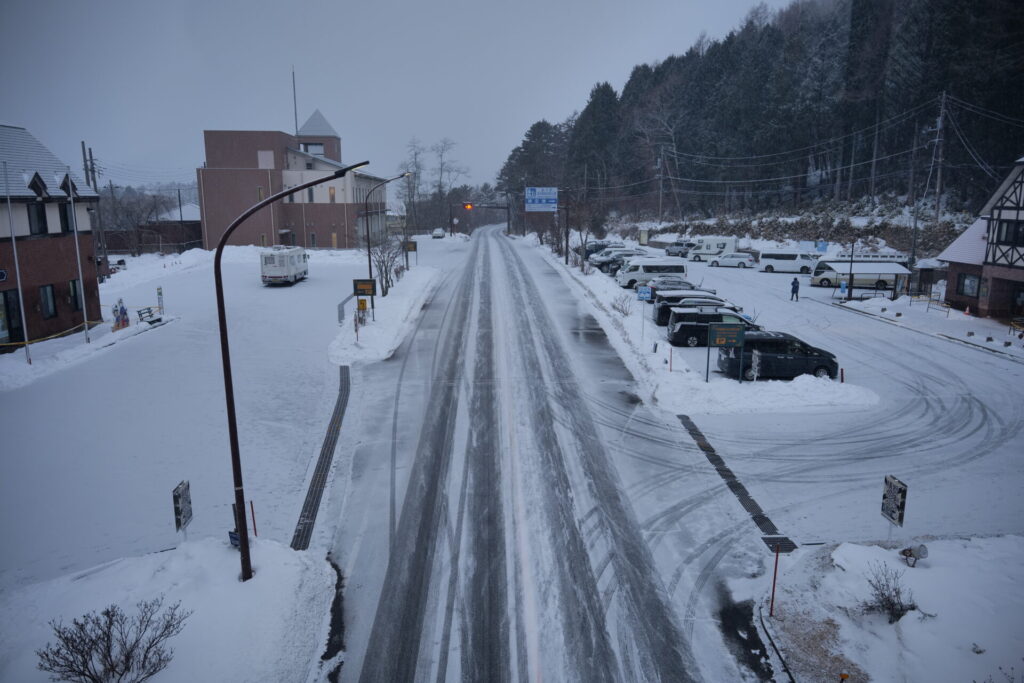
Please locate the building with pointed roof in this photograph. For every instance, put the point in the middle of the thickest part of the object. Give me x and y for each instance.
(39, 264)
(244, 167)
(986, 262)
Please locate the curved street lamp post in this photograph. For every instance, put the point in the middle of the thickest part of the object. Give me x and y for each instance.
(229, 392)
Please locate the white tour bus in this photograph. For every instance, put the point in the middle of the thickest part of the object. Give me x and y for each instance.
(878, 274)
(787, 262)
(283, 264)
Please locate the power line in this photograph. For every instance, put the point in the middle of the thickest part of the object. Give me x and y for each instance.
(970, 150)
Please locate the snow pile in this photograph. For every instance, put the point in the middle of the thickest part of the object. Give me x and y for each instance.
(267, 629)
(395, 316)
(968, 622)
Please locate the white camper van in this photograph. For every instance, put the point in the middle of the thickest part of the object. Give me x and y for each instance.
(712, 246)
(284, 265)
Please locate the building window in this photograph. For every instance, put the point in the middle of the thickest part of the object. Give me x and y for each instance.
(76, 299)
(309, 165)
(47, 304)
(259, 193)
(66, 224)
(37, 218)
(314, 148)
(1010, 233)
(312, 240)
(263, 239)
(330, 193)
(291, 198)
(967, 285)
(309, 195)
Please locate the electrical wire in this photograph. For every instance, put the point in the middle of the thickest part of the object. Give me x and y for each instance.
(982, 111)
(970, 150)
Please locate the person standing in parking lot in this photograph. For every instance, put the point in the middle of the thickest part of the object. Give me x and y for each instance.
(794, 290)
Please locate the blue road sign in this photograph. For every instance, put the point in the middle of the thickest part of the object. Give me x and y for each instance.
(542, 199)
(643, 293)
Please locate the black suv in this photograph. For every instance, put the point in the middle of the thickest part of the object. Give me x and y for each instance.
(778, 355)
(689, 326)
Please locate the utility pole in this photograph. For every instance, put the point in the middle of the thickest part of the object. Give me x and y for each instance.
(874, 152)
(661, 160)
(938, 177)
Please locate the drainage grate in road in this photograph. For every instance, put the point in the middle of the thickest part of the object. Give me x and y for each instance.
(739, 490)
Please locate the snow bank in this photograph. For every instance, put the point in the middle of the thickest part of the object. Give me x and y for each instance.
(267, 629)
(968, 624)
(396, 315)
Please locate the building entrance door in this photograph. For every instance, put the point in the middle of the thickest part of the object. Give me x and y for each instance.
(10, 318)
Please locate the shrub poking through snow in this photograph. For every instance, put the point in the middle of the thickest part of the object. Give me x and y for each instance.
(888, 595)
(113, 646)
(623, 305)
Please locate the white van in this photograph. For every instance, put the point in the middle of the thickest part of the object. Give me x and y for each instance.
(712, 246)
(787, 262)
(640, 271)
(283, 264)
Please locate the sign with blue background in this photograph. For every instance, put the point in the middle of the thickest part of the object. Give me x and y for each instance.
(542, 199)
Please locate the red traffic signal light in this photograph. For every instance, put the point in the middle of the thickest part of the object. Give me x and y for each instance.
(467, 206)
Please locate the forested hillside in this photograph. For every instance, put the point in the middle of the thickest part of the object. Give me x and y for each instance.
(822, 100)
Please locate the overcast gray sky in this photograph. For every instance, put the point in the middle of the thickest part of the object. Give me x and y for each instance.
(140, 80)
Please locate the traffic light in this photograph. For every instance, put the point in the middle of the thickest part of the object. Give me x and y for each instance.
(467, 206)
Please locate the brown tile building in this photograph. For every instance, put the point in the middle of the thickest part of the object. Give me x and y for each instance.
(243, 167)
(39, 193)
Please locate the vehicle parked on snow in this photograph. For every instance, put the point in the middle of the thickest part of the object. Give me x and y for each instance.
(669, 282)
(712, 246)
(776, 355)
(595, 246)
(680, 248)
(876, 274)
(665, 301)
(284, 265)
(640, 271)
(604, 259)
(437, 234)
(733, 260)
(787, 262)
(689, 326)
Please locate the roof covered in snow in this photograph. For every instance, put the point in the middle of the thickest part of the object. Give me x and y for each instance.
(26, 156)
(969, 247)
(317, 126)
(189, 212)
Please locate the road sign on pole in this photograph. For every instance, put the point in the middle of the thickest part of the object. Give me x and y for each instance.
(543, 199)
(894, 500)
(182, 506)
(643, 293)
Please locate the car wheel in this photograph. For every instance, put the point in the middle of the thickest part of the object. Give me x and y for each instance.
(825, 282)
(823, 373)
(881, 284)
(804, 270)
(631, 285)
(748, 374)
(714, 264)
(696, 258)
(769, 269)
(604, 269)
(741, 265)
(692, 340)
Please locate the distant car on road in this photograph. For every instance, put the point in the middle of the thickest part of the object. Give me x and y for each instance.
(284, 265)
(437, 234)
(776, 355)
(734, 260)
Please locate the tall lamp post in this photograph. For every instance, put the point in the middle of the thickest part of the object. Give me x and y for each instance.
(366, 215)
(229, 391)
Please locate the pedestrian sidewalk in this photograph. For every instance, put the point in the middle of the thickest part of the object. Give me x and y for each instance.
(956, 326)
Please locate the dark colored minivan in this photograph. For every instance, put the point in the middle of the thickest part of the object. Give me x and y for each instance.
(689, 326)
(664, 301)
(776, 355)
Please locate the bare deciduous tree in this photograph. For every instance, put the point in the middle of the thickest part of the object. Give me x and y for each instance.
(113, 646)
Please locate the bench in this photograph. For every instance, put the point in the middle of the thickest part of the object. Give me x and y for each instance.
(149, 314)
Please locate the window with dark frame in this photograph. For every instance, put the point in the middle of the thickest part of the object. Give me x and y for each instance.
(309, 196)
(47, 302)
(65, 217)
(36, 218)
(1010, 233)
(967, 285)
(76, 299)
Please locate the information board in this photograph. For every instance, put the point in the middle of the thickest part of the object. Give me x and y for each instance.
(726, 334)
(542, 199)
(894, 500)
(364, 287)
(182, 506)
